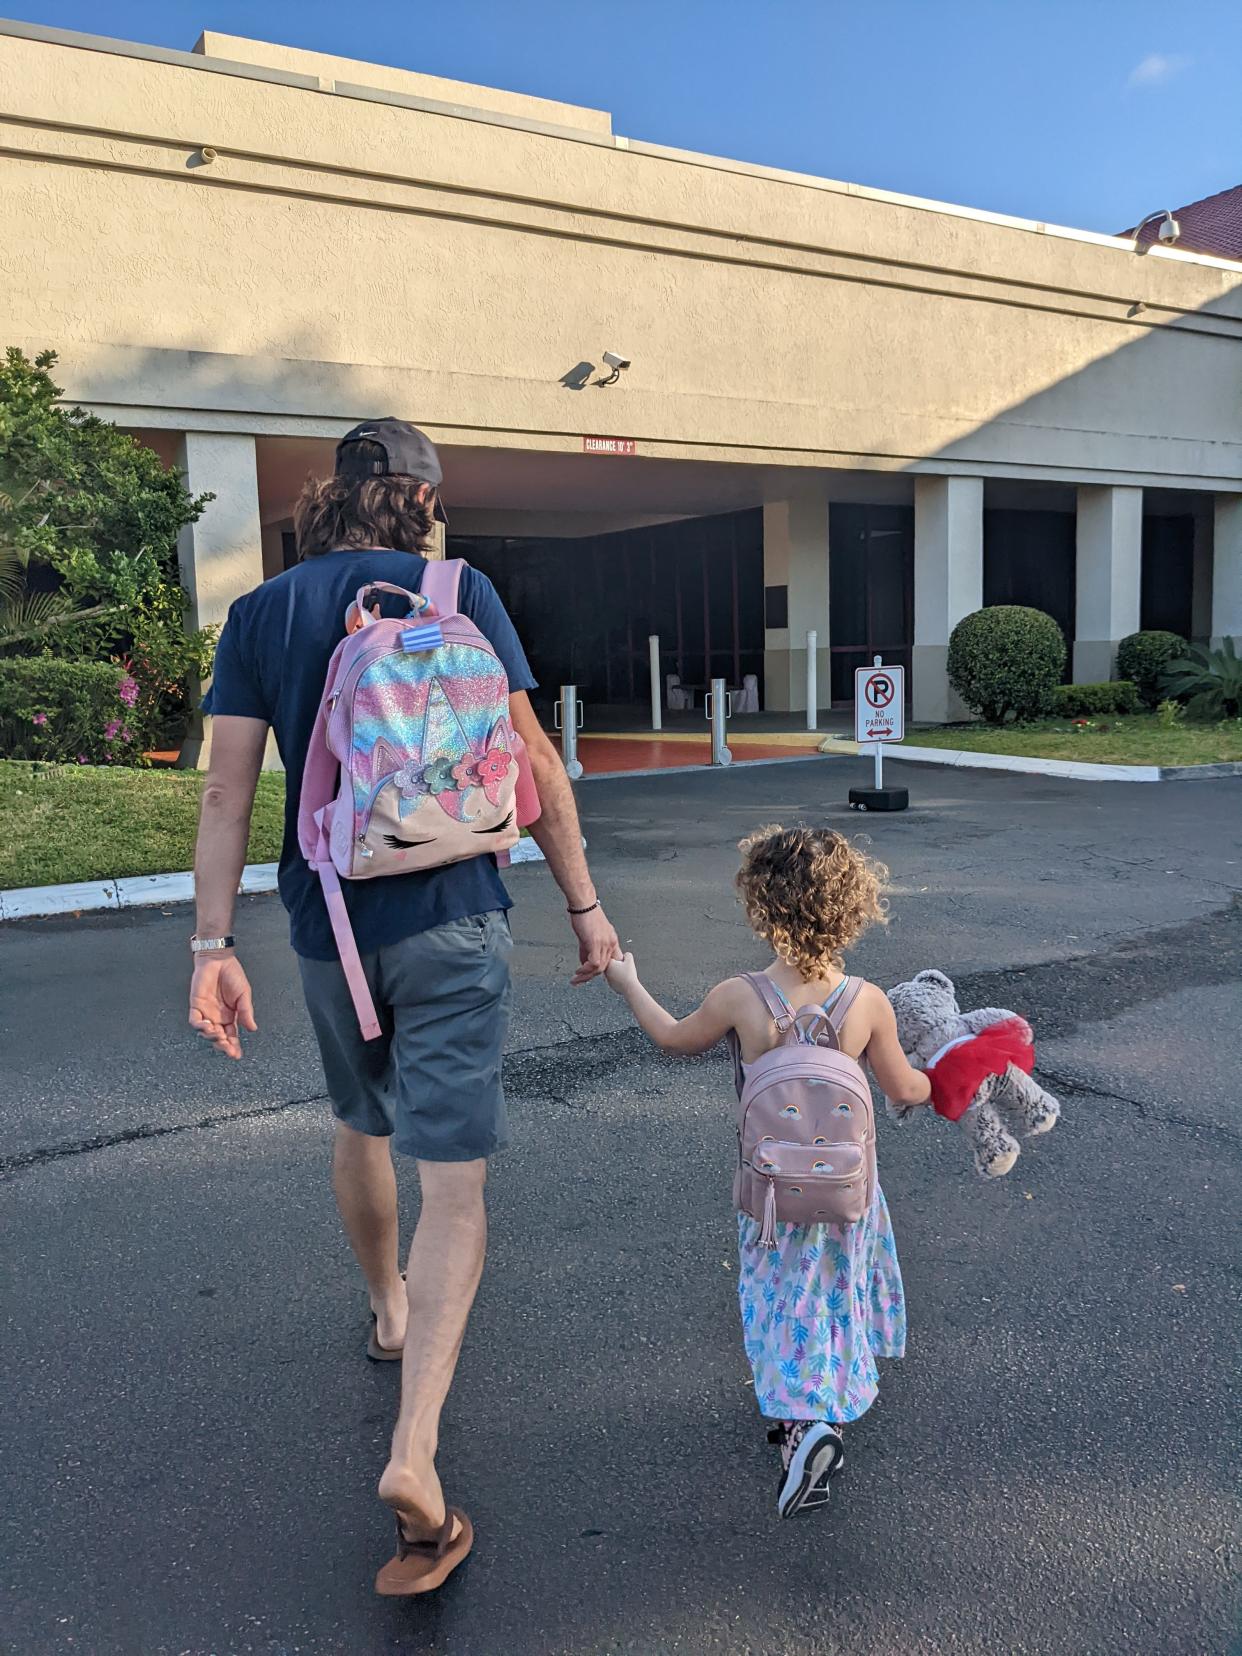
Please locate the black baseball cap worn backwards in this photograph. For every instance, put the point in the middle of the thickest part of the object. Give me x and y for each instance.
(409, 452)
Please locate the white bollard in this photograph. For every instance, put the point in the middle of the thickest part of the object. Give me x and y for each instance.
(653, 646)
(718, 706)
(812, 675)
(567, 715)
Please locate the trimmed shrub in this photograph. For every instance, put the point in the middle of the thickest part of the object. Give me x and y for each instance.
(1084, 701)
(67, 711)
(1006, 660)
(1144, 656)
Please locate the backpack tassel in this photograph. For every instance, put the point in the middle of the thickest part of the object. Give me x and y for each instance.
(767, 1236)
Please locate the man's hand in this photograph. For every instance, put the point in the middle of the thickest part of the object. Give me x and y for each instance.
(221, 1003)
(597, 945)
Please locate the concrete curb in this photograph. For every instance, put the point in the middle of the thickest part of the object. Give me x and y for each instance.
(1071, 769)
(149, 890)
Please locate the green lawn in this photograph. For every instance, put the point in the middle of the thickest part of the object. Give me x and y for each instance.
(1136, 739)
(88, 822)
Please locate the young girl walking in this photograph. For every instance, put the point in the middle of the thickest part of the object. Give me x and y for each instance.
(822, 1301)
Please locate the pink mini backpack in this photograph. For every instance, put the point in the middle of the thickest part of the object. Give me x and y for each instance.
(413, 762)
(805, 1124)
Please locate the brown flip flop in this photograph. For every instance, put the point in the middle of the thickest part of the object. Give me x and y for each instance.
(422, 1566)
(381, 1353)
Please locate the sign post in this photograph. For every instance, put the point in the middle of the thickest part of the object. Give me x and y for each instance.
(879, 717)
(653, 647)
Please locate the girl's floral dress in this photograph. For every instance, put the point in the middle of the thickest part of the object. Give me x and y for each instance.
(817, 1310)
(819, 1307)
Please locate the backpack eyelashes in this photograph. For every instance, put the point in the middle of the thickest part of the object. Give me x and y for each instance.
(500, 828)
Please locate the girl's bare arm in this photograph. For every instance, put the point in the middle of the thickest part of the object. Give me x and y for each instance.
(898, 1079)
(697, 1033)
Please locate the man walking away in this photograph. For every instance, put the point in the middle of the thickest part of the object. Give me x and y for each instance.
(435, 949)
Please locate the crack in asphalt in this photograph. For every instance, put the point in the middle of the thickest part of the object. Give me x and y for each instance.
(1072, 1087)
(1057, 996)
(40, 1156)
(525, 1074)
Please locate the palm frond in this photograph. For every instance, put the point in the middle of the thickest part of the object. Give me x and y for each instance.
(34, 617)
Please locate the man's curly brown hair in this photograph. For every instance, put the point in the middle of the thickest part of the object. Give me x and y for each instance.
(810, 894)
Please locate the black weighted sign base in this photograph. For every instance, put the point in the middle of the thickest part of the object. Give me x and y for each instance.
(879, 799)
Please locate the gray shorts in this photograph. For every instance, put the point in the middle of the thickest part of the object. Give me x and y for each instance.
(432, 1079)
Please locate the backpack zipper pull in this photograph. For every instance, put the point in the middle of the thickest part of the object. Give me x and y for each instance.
(767, 1236)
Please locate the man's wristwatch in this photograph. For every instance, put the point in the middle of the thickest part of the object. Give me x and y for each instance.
(210, 945)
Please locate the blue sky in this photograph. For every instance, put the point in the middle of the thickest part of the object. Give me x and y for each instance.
(1081, 112)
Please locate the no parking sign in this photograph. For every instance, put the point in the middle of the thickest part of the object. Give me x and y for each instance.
(879, 704)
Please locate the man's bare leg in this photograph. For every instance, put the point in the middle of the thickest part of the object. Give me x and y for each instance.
(366, 1194)
(442, 1278)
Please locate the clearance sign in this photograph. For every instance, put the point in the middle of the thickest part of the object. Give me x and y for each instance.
(608, 445)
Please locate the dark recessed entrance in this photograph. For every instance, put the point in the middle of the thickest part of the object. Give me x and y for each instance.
(585, 607)
(871, 590)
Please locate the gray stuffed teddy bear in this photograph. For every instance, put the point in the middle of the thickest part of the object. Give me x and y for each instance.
(979, 1064)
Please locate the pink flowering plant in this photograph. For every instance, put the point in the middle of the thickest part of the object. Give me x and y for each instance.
(68, 712)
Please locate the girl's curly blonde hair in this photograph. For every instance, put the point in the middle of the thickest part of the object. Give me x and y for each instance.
(810, 894)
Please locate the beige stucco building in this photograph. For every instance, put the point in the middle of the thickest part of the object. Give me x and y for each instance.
(845, 411)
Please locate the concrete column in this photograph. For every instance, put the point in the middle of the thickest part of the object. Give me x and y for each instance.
(1201, 579)
(948, 584)
(1110, 577)
(1227, 570)
(221, 556)
(795, 556)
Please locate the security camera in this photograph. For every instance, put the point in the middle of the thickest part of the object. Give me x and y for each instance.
(1168, 232)
(615, 362)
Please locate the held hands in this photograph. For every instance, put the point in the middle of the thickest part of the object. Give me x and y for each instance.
(597, 945)
(622, 974)
(221, 1004)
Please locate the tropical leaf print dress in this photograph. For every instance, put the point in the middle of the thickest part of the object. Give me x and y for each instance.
(818, 1308)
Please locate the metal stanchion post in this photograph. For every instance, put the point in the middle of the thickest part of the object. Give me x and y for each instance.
(567, 716)
(653, 645)
(812, 675)
(718, 706)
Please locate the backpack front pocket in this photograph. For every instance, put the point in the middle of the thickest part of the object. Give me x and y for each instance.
(810, 1184)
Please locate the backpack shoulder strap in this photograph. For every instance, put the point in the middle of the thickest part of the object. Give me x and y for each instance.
(777, 1008)
(846, 996)
(442, 583)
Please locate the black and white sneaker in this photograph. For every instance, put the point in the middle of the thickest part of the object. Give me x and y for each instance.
(812, 1451)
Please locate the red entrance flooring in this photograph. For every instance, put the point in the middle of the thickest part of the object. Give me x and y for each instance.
(605, 755)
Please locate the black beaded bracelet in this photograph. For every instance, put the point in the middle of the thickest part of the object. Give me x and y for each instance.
(591, 910)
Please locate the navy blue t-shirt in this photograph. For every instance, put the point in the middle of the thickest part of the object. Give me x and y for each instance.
(271, 663)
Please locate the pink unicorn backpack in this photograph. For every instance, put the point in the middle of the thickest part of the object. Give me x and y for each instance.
(805, 1124)
(413, 762)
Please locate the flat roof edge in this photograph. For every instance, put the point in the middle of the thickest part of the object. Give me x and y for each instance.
(174, 58)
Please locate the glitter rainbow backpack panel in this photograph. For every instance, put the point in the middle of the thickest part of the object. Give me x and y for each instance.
(413, 762)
